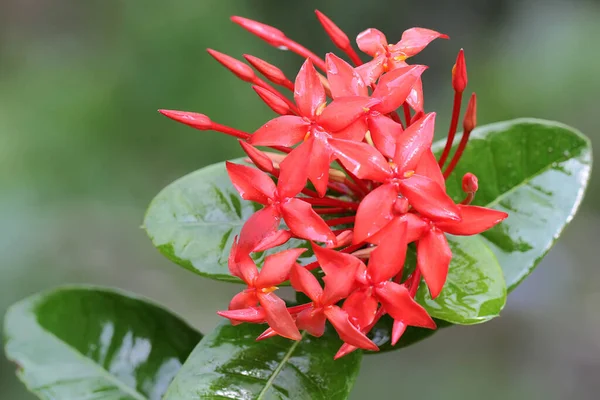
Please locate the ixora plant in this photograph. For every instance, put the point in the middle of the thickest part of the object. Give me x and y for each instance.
(385, 236)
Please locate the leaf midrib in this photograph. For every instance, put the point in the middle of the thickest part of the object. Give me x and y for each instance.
(277, 370)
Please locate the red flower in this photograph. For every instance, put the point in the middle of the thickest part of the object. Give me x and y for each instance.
(339, 281)
(390, 191)
(387, 57)
(279, 202)
(399, 178)
(261, 286)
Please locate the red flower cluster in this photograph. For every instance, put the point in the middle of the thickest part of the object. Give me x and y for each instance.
(386, 189)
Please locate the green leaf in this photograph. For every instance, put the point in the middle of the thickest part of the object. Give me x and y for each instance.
(85, 342)
(474, 292)
(230, 364)
(193, 222)
(535, 170)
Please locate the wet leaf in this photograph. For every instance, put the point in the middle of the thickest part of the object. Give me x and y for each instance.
(85, 342)
(229, 363)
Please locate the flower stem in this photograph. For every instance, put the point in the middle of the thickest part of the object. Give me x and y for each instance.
(452, 130)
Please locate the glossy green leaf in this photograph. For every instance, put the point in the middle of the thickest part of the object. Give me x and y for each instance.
(230, 364)
(535, 170)
(193, 222)
(539, 172)
(474, 292)
(91, 343)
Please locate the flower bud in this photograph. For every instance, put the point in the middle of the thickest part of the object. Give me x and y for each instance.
(258, 158)
(337, 36)
(469, 183)
(195, 120)
(274, 102)
(459, 73)
(269, 34)
(470, 121)
(270, 71)
(241, 70)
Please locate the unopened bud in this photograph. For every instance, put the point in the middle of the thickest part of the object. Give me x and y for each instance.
(274, 102)
(241, 70)
(470, 183)
(470, 121)
(459, 73)
(269, 34)
(195, 120)
(337, 36)
(270, 71)
(260, 159)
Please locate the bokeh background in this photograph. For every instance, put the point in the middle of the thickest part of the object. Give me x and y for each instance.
(83, 151)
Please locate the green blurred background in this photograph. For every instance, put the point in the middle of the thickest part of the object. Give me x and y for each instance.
(83, 151)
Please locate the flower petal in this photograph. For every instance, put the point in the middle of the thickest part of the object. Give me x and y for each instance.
(286, 130)
(388, 259)
(394, 87)
(259, 226)
(344, 350)
(371, 41)
(398, 302)
(340, 271)
(251, 183)
(273, 239)
(356, 131)
(414, 40)
(244, 299)
(276, 268)
(309, 92)
(363, 160)
(415, 98)
(428, 166)
(348, 332)
(398, 329)
(343, 79)
(384, 132)
(374, 212)
(294, 170)
(429, 199)
(474, 220)
(311, 321)
(361, 307)
(433, 259)
(318, 164)
(304, 222)
(255, 315)
(246, 267)
(372, 70)
(343, 111)
(415, 227)
(278, 316)
(413, 142)
(303, 281)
